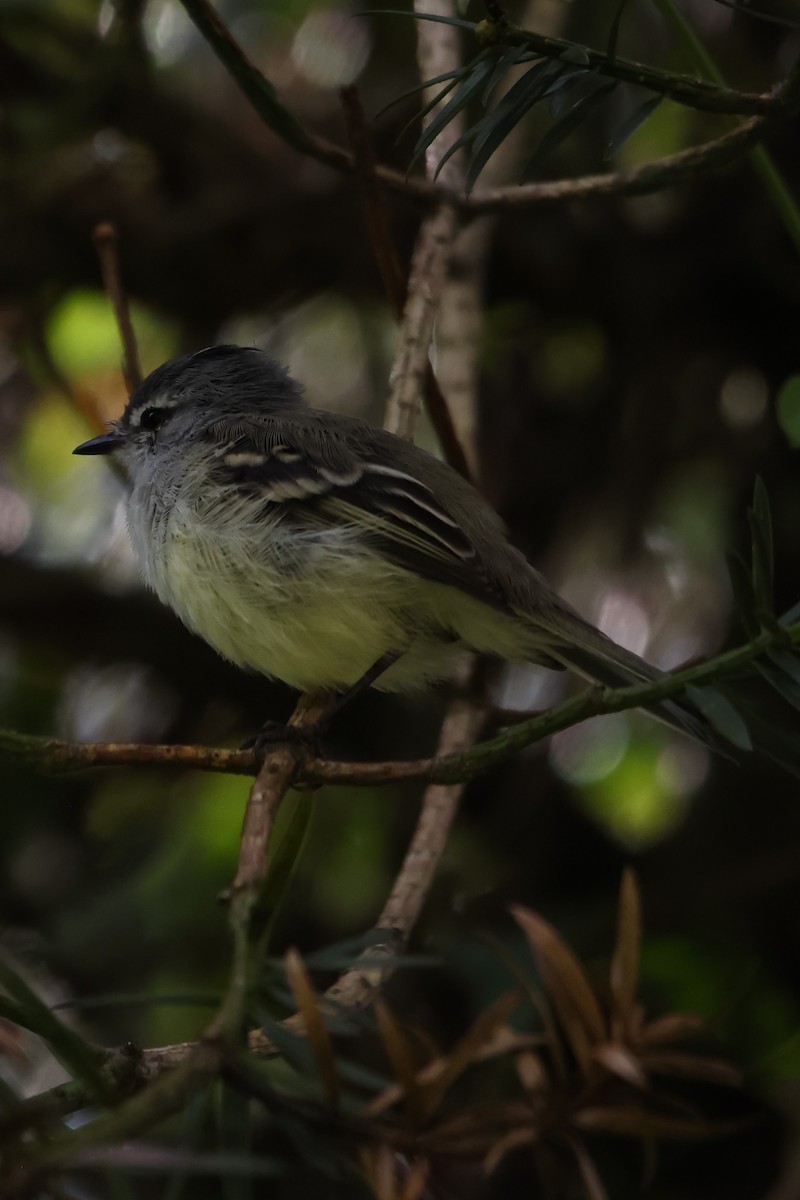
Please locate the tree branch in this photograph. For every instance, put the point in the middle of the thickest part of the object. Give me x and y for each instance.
(652, 177)
(50, 754)
(684, 89)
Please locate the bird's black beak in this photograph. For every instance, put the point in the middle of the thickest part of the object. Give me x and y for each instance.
(106, 443)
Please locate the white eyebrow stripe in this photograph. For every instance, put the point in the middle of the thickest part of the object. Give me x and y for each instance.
(158, 402)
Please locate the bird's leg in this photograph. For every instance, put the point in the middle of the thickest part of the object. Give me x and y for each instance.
(273, 732)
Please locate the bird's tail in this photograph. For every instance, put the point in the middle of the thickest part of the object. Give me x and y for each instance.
(597, 658)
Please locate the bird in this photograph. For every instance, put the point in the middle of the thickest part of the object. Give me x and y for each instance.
(322, 551)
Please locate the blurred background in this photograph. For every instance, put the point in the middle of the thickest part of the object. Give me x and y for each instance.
(638, 369)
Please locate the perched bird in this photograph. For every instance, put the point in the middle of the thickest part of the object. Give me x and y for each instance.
(324, 552)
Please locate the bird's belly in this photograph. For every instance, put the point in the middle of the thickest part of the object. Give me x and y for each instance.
(313, 610)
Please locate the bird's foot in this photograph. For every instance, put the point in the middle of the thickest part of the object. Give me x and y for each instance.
(277, 733)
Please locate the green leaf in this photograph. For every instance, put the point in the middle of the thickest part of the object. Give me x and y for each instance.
(787, 406)
(721, 715)
(497, 125)
(576, 55)
(571, 120)
(613, 33)
(480, 70)
(630, 126)
(513, 56)
(421, 87)
(561, 89)
(743, 593)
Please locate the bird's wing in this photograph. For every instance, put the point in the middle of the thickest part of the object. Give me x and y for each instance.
(319, 480)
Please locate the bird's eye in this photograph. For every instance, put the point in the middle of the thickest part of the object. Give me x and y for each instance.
(151, 418)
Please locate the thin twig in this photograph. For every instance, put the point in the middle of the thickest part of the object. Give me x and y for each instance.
(428, 273)
(376, 214)
(107, 244)
(358, 987)
(684, 89)
(394, 281)
(50, 754)
(666, 172)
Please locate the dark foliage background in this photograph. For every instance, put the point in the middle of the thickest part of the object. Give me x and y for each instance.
(632, 354)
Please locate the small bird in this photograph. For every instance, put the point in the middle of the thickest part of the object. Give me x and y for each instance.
(324, 552)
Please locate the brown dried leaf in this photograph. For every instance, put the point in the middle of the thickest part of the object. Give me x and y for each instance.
(622, 1062)
(590, 1176)
(693, 1066)
(638, 1122)
(531, 1072)
(316, 1031)
(625, 961)
(415, 1180)
(568, 987)
(511, 1141)
(401, 1056)
(672, 1027)
(467, 1051)
(478, 1127)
